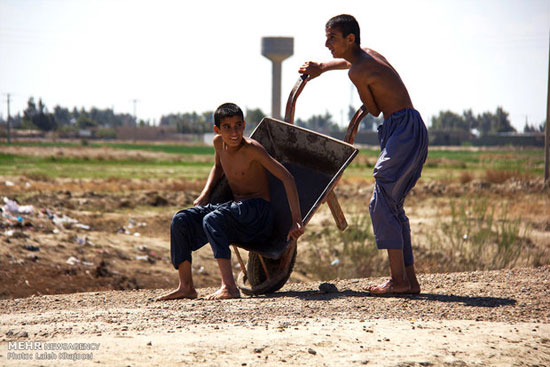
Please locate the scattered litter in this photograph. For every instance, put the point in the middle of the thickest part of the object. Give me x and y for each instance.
(335, 262)
(87, 263)
(123, 230)
(9, 233)
(13, 207)
(9, 183)
(142, 248)
(132, 223)
(81, 240)
(27, 185)
(200, 270)
(55, 230)
(136, 234)
(146, 258)
(27, 283)
(72, 261)
(82, 226)
(32, 257)
(31, 248)
(64, 220)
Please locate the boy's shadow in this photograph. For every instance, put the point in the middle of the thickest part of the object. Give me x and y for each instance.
(472, 301)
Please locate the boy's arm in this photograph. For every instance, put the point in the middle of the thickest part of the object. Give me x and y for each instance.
(279, 171)
(314, 69)
(215, 174)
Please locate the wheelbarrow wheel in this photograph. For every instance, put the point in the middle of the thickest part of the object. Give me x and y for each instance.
(257, 281)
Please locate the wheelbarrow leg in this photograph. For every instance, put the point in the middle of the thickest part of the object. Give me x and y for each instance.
(287, 255)
(332, 201)
(241, 262)
(336, 211)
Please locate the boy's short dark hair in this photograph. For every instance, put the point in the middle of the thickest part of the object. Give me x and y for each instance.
(227, 110)
(347, 25)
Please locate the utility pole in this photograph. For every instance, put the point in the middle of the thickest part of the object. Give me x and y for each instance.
(547, 129)
(8, 122)
(135, 119)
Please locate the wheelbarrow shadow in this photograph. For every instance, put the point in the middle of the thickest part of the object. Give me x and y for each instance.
(471, 301)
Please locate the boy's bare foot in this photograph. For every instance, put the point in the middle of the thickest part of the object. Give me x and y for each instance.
(225, 293)
(389, 287)
(179, 293)
(414, 289)
(413, 281)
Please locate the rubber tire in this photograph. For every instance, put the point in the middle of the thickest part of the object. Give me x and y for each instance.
(256, 274)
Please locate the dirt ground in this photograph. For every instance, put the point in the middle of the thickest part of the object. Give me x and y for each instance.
(495, 318)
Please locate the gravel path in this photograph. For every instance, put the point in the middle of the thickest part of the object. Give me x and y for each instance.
(478, 318)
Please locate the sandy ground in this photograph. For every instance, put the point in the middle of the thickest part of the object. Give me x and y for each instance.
(496, 318)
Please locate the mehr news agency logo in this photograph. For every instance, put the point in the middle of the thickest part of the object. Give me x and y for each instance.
(35, 350)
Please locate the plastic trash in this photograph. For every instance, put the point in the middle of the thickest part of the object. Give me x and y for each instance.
(335, 262)
(72, 261)
(31, 248)
(9, 183)
(11, 206)
(64, 220)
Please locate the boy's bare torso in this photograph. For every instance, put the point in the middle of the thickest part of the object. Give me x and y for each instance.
(246, 176)
(380, 87)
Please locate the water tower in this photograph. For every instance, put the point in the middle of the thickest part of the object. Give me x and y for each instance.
(277, 49)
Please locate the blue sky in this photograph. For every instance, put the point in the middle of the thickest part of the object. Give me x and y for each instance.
(182, 56)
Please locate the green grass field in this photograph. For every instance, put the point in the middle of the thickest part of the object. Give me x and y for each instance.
(441, 163)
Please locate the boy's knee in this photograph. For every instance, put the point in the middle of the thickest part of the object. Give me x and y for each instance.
(179, 219)
(211, 220)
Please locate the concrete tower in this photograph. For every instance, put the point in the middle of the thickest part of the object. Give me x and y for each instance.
(277, 49)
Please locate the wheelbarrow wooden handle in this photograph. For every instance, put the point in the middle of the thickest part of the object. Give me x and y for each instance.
(294, 93)
(353, 126)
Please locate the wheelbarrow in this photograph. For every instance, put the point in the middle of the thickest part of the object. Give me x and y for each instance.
(317, 162)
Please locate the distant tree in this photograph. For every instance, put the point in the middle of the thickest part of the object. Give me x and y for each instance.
(38, 117)
(489, 123)
(484, 123)
(469, 119)
(502, 123)
(321, 123)
(84, 122)
(527, 128)
(62, 115)
(253, 117)
(370, 122)
(449, 121)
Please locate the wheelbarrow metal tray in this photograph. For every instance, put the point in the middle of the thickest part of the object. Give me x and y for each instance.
(315, 160)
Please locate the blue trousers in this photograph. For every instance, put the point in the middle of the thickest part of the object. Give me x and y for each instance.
(403, 141)
(242, 222)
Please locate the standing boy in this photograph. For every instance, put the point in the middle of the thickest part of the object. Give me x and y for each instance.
(248, 218)
(403, 142)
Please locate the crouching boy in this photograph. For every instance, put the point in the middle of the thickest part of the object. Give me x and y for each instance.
(248, 218)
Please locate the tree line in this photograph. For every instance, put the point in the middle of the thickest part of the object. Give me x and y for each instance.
(104, 121)
(485, 123)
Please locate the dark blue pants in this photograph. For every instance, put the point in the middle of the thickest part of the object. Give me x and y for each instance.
(403, 150)
(239, 222)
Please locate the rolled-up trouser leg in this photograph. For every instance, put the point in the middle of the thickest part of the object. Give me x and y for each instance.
(247, 222)
(186, 234)
(404, 147)
(407, 245)
(387, 226)
(216, 229)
